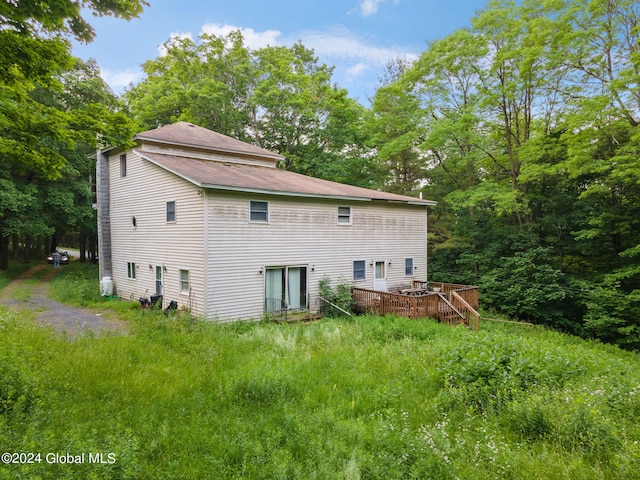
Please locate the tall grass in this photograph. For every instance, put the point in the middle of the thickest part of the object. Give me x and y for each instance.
(368, 398)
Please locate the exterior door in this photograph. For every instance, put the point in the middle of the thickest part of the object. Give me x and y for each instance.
(158, 280)
(285, 288)
(297, 287)
(274, 288)
(380, 276)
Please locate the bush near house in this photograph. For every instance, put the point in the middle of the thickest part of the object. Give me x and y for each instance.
(369, 398)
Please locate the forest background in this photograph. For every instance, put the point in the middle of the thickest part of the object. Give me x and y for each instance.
(523, 127)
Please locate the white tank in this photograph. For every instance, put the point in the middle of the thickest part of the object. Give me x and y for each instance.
(106, 287)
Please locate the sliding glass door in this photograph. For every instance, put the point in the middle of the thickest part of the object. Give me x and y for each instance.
(286, 288)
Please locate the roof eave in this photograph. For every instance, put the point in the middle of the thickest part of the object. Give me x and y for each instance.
(261, 191)
(282, 192)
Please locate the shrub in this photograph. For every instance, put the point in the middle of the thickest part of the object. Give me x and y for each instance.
(340, 296)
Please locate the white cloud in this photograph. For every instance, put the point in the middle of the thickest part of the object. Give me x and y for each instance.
(357, 70)
(252, 39)
(118, 80)
(369, 7)
(343, 45)
(358, 60)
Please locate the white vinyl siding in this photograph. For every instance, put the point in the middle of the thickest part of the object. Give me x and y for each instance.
(304, 231)
(153, 242)
(235, 252)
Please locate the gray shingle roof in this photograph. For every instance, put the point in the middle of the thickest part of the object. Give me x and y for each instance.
(246, 177)
(269, 180)
(190, 135)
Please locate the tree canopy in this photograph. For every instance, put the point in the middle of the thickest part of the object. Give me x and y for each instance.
(44, 116)
(531, 135)
(279, 98)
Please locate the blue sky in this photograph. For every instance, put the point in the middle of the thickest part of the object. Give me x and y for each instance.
(358, 37)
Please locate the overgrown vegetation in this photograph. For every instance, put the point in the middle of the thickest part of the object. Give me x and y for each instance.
(372, 398)
(339, 296)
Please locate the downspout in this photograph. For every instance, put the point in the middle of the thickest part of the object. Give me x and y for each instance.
(104, 216)
(205, 296)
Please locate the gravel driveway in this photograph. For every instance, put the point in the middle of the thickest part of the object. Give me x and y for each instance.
(26, 293)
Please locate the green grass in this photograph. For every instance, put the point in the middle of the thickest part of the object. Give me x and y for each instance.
(381, 398)
(15, 269)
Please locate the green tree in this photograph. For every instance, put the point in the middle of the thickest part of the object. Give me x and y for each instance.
(530, 137)
(34, 130)
(395, 131)
(207, 83)
(279, 98)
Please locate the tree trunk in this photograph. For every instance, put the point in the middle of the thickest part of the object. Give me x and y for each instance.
(83, 247)
(4, 252)
(27, 249)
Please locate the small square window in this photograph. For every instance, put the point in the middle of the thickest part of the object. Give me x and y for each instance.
(171, 211)
(408, 266)
(359, 270)
(344, 215)
(123, 165)
(184, 281)
(259, 211)
(131, 270)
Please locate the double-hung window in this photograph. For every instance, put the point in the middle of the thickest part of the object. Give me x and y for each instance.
(171, 212)
(408, 266)
(359, 270)
(344, 215)
(184, 281)
(258, 211)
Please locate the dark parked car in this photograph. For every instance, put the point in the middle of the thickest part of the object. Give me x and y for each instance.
(64, 258)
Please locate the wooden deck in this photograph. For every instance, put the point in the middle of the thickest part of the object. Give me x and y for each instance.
(446, 302)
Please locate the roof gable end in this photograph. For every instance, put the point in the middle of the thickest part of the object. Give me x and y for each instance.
(188, 136)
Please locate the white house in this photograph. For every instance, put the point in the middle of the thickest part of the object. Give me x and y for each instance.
(211, 223)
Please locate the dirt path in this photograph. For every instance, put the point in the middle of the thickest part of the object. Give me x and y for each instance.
(29, 292)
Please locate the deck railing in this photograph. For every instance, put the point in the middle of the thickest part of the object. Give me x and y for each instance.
(471, 315)
(447, 303)
(468, 292)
